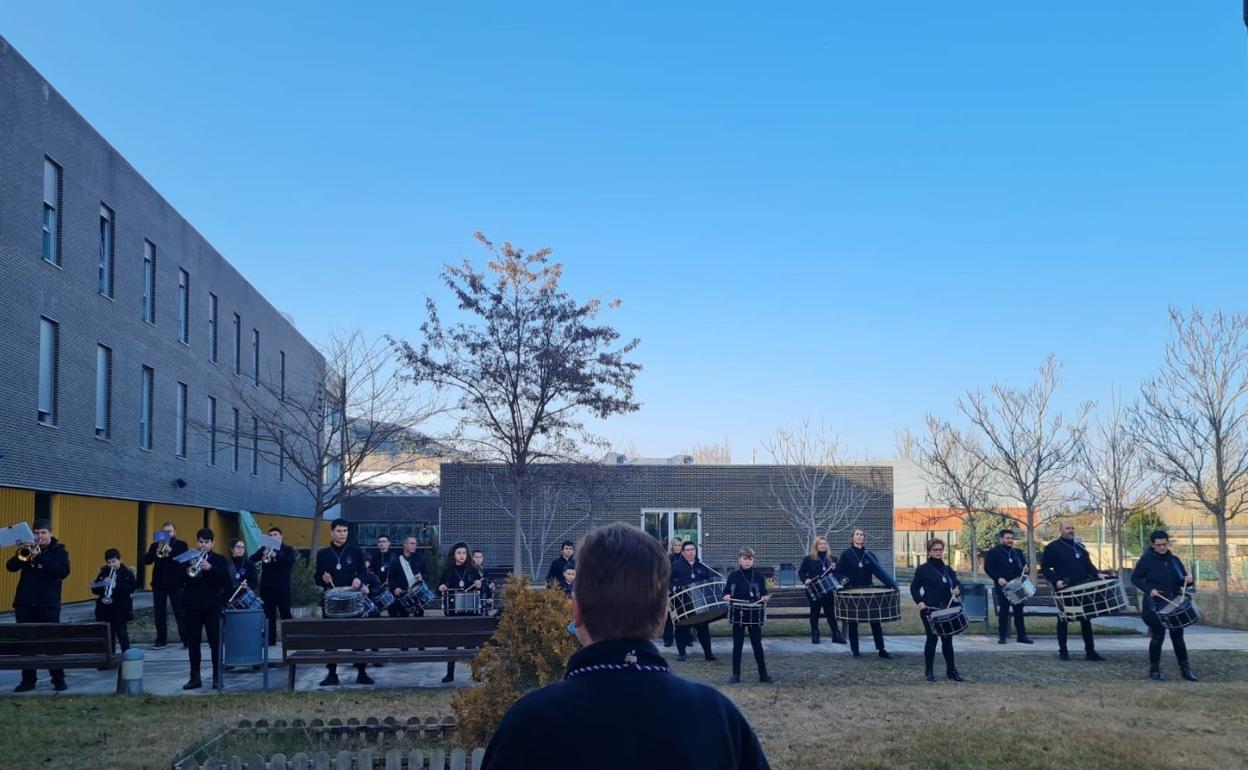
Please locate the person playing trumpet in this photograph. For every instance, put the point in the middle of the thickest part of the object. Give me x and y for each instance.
(113, 589)
(205, 586)
(44, 565)
(166, 581)
(275, 565)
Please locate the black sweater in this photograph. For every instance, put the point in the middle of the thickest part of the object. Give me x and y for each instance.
(210, 588)
(167, 574)
(460, 578)
(933, 584)
(558, 566)
(812, 567)
(122, 607)
(619, 707)
(240, 570)
(398, 578)
(1002, 562)
(275, 575)
(1068, 561)
(685, 574)
(858, 565)
(39, 585)
(344, 565)
(1164, 573)
(746, 586)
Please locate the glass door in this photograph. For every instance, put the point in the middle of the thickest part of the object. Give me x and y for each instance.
(663, 524)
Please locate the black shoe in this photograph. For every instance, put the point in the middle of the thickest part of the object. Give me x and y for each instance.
(330, 680)
(1025, 640)
(1094, 656)
(857, 654)
(667, 644)
(839, 640)
(885, 655)
(1000, 641)
(929, 676)
(765, 679)
(195, 684)
(363, 678)
(24, 687)
(814, 639)
(682, 657)
(448, 679)
(159, 646)
(734, 679)
(1063, 655)
(711, 659)
(1187, 673)
(1156, 676)
(954, 676)
(59, 685)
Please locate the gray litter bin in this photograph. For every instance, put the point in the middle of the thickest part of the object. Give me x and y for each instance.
(245, 641)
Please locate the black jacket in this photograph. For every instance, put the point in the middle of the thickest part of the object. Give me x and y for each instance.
(1002, 562)
(746, 585)
(1068, 561)
(684, 573)
(858, 565)
(812, 567)
(598, 717)
(933, 584)
(240, 570)
(384, 566)
(40, 582)
(557, 567)
(122, 608)
(275, 575)
(167, 574)
(343, 564)
(460, 578)
(1165, 573)
(210, 588)
(416, 562)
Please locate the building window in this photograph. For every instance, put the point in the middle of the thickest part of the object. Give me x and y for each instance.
(52, 187)
(238, 344)
(282, 374)
(255, 357)
(146, 407)
(212, 327)
(107, 241)
(281, 455)
(103, 391)
(149, 282)
(180, 438)
(49, 370)
(255, 446)
(237, 425)
(212, 431)
(184, 307)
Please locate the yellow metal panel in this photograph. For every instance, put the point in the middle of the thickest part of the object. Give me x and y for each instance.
(185, 519)
(88, 526)
(15, 505)
(224, 526)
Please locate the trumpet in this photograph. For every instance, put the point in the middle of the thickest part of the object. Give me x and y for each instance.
(268, 555)
(28, 551)
(108, 591)
(197, 565)
(165, 548)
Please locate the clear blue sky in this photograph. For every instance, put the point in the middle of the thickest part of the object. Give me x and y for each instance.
(847, 211)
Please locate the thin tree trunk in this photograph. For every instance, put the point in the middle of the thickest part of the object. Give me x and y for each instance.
(1224, 568)
(517, 507)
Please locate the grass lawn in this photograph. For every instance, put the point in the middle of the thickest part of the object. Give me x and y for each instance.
(1021, 712)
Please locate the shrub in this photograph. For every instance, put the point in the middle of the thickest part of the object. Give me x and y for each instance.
(303, 593)
(529, 649)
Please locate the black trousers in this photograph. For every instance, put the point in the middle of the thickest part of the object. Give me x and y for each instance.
(197, 623)
(1004, 610)
(276, 605)
(1158, 632)
(159, 597)
(1085, 628)
(684, 638)
(825, 605)
(669, 632)
(929, 647)
(877, 633)
(756, 643)
(39, 615)
(118, 633)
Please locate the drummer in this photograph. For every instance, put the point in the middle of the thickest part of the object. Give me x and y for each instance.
(744, 585)
(1160, 574)
(1003, 564)
(815, 564)
(341, 565)
(242, 572)
(460, 575)
(934, 587)
(686, 571)
(673, 555)
(856, 567)
(1067, 563)
(408, 571)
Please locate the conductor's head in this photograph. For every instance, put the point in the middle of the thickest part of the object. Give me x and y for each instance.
(622, 576)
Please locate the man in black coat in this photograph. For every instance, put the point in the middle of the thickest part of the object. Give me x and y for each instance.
(1003, 564)
(203, 597)
(409, 570)
(1067, 563)
(166, 582)
(934, 587)
(341, 565)
(381, 561)
(620, 707)
(855, 568)
(566, 556)
(275, 567)
(1160, 575)
(38, 596)
(686, 571)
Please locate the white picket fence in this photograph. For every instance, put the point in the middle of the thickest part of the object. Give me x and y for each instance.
(395, 759)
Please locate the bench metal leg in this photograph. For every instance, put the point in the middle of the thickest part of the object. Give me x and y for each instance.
(290, 676)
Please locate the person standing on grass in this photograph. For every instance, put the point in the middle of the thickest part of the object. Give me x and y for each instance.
(1161, 576)
(856, 567)
(817, 562)
(744, 585)
(1003, 564)
(934, 587)
(669, 631)
(1068, 563)
(685, 572)
(619, 706)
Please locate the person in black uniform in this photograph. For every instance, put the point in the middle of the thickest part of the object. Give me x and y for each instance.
(934, 587)
(814, 565)
(166, 582)
(566, 580)
(203, 595)
(381, 561)
(487, 585)
(855, 568)
(566, 556)
(685, 572)
(744, 585)
(1003, 564)
(1160, 575)
(38, 595)
(115, 607)
(618, 677)
(409, 570)
(275, 565)
(459, 576)
(1067, 563)
(669, 631)
(242, 571)
(341, 565)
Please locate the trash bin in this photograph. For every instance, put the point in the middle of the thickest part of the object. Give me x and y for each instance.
(245, 640)
(786, 575)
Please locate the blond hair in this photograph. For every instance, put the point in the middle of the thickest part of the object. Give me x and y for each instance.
(814, 546)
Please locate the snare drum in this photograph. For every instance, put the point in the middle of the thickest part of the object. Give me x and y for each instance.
(461, 602)
(873, 604)
(1179, 614)
(343, 603)
(246, 599)
(698, 603)
(743, 613)
(822, 586)
(1091, 600)
(370, 609)
(947, 622)
(1019, 590)
(384, 599)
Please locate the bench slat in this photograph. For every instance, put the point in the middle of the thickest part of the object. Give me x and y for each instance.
(10, 662)
(364, 656)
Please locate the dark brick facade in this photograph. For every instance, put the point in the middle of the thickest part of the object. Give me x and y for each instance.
(734, 501)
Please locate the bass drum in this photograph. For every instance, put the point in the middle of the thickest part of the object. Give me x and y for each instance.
(698, 603)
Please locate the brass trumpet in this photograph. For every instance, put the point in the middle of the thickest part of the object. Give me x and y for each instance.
(197, 565)
(28, 551)
(165, 548)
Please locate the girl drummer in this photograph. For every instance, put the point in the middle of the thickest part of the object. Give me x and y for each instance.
(813, 566)
(460, 575)
(933, 588)
(856, 567)
(744, 585)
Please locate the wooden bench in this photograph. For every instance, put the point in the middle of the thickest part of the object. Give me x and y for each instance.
(382, 640)
(57, 645)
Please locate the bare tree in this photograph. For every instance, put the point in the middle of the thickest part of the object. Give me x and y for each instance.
(527, 361)
(712, 454)
(815, 491)
(1028, 444)
(1112, 471)
(1193, 421)
(906, 444)
(960, 476)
